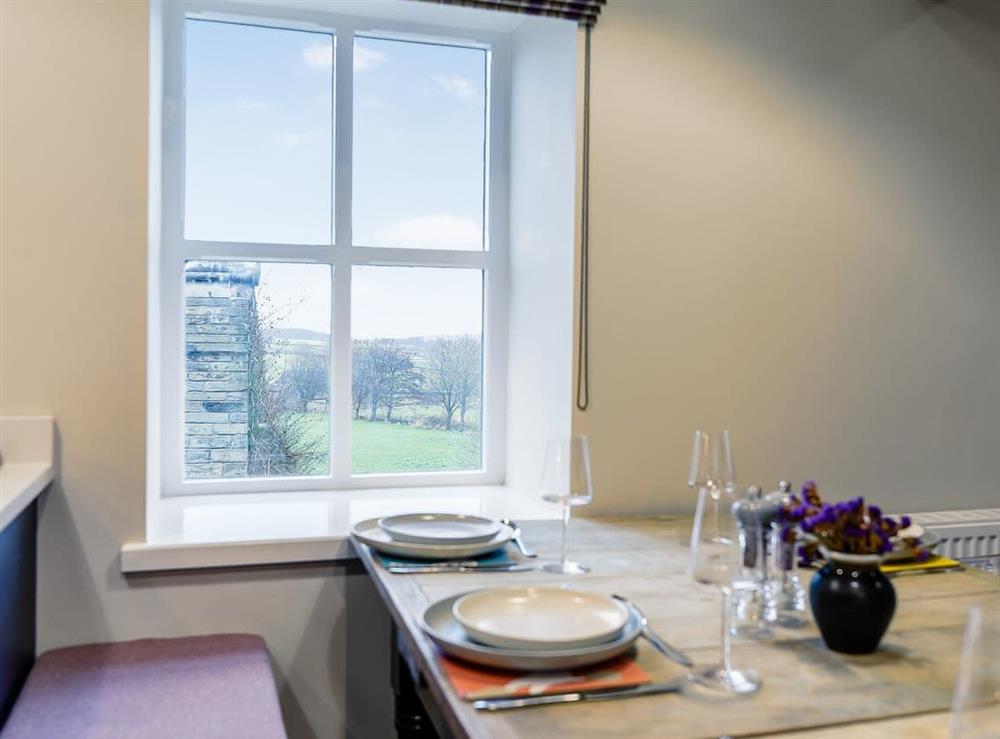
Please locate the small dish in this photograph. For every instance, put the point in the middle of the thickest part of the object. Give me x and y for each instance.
(540, 617)
(439, 528)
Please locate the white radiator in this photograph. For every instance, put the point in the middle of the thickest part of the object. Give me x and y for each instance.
(964, 534)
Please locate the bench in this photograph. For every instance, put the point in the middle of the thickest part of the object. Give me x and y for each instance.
(201, 687)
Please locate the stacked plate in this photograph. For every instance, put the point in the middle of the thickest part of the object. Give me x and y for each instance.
(532, 628)
(901, 553)
(433, 536)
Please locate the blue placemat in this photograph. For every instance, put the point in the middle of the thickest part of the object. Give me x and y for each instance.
(497, 557)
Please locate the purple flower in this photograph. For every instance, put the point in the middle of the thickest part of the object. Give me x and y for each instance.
(854, 532)
(923, 555)
(875, 512)
(904, 522)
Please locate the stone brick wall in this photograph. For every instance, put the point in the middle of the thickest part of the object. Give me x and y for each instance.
(218, 303)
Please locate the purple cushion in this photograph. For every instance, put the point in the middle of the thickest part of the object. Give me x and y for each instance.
(200, 687)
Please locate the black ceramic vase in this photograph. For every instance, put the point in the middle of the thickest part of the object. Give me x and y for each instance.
(852, 602)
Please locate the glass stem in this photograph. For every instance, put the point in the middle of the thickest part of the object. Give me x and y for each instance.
(565, 529)
(727, 640)
(718, 515)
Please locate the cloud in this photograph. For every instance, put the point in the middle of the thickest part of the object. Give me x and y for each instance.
(288, 139)
(456, 85)
(248, 104)
(367, 58)
(434, 231)
(320, 56)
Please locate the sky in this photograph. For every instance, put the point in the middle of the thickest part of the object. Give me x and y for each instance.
(260, 159)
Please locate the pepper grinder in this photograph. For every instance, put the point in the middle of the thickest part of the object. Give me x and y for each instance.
(754, 603)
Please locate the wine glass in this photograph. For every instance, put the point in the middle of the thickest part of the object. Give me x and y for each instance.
(712, 469)
(975, 706)
(566, 480)
(714, 561)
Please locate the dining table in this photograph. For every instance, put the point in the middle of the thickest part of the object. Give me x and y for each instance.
(809, 692)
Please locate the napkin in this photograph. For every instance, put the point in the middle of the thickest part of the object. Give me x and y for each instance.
(498, 557)
(476, 683)
(934, 563)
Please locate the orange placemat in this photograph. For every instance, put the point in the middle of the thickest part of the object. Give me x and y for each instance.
(475, 683)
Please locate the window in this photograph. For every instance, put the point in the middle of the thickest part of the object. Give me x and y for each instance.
(332, 254)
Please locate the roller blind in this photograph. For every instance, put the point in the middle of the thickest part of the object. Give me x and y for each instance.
(584, 12)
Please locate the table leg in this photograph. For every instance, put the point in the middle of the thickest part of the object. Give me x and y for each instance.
(411, 719)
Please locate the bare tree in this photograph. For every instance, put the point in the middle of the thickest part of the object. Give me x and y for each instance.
(454, 377)
(400, 380)
(389, 375)
(362, 374)
(469, 371)
(307, 378)
(279, 442)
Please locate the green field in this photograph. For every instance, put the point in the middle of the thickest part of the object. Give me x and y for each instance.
(377, 446)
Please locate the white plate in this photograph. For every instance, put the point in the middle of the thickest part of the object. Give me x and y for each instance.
(369, 533)
(439, 528)
(448, 634)
(540, 617)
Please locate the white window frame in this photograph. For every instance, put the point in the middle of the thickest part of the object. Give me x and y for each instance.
(342, 256)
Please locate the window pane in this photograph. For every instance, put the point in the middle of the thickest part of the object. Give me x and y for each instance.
(419, 144)
(416, 373)
(257, 344)
(259, 136)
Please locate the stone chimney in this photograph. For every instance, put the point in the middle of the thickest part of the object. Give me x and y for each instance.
(217, 310)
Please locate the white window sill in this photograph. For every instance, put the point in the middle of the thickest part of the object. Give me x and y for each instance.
(217, 531)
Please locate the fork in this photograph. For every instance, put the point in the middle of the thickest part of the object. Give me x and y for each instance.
(662, 647)
(518, 541)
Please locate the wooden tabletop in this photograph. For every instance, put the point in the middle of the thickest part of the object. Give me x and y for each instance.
(809, 692)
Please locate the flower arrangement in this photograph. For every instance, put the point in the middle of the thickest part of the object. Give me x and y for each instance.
(850, 526)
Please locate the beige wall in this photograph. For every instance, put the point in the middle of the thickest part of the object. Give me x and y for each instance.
(796, 234)
(72, 343)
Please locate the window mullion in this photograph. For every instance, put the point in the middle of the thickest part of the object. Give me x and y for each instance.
(340, 375)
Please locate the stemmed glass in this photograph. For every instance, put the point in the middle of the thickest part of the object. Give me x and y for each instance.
(975, 706)
(712, 469)
(566, 480)
(714, 561)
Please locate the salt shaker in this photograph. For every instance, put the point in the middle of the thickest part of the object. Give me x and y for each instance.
(785, 584)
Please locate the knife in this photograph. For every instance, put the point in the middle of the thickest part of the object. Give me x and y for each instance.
(455, 567)
(501, 704)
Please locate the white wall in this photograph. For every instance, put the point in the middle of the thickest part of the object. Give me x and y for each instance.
(796, 234)
(543, 160)
(73, 343)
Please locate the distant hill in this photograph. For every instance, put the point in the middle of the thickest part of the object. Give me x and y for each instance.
(293, 335)
(300, 334)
